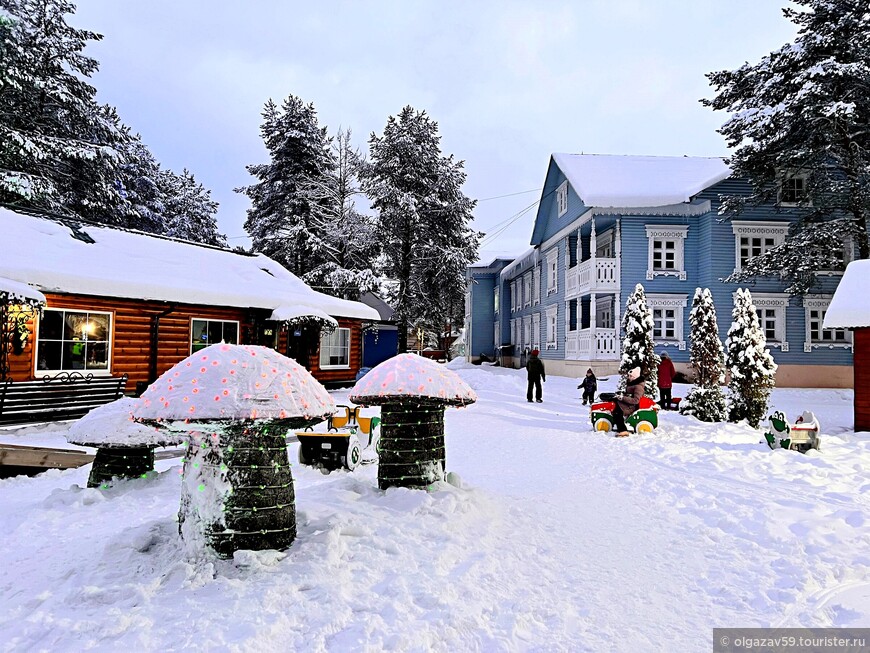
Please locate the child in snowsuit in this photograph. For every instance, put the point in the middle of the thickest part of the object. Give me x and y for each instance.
(535, 373)
(589, 385)
(666, 380)
(628, 401)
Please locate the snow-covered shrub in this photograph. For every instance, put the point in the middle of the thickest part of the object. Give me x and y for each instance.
(637, 342)
(749, 363)
(706, 356)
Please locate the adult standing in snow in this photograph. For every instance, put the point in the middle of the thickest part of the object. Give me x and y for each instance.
(666, 380)
(628, 401)
(535, 373)
(589, 385)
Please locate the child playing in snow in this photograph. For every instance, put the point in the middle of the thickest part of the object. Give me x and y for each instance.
(589, 385)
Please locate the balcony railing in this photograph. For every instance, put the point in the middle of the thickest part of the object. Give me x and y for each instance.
(592, 275)
(592, 344)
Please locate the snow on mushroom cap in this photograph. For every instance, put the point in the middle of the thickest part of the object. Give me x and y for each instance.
(112, 425)
(235, 382)
(409, 375)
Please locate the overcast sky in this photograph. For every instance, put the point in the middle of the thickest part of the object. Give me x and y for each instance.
(508, 82)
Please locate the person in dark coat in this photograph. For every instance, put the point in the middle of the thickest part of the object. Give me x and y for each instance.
(535, 373)
(666, 380)
(628, 401)
(589, 385)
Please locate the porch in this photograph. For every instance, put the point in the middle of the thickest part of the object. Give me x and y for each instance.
(592, 344)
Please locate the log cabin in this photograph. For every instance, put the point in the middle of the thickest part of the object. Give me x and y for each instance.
(125, 302)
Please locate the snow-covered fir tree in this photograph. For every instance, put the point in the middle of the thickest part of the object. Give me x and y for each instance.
(422, 222)
(281, 218)
(56, 144)
(800, 126)
(707, 358)
(347, 267)
(188, 209)
(637, 341)
(749, 363)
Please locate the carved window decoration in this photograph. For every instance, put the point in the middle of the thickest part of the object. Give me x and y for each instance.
(817, 337)
(562, 199)
(667, 313)
(552, 326)
(552, 258)
(666, 251)
(771, 310)
(753, 239)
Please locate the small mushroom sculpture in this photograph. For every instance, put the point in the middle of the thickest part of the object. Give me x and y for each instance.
(235, 404)
(412, 392)
(125, 449)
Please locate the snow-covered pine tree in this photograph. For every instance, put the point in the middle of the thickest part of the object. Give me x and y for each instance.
(348, 266)
(423, 219)
(56, 144)
(280, 220)
(189, 211)
(749, 363)
(637, 341)
(800, 126)
(706, 356)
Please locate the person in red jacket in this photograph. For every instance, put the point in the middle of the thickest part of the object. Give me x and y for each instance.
(666, 380)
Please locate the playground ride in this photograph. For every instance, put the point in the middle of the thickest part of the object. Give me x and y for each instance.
(342, 443)
(644, 420)
(801, 436)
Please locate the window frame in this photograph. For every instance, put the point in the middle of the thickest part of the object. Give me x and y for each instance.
(666, 233)
(785, 177)
(495, 298)
(750, 229)
(552, 320)
(562, 199)
(207, 320)
(536, 285)
(320, 351)
(110, 339)
(677, 302)
(527, 289)
(536, 330)
(821, 303)
(552, 259)
(778, 302)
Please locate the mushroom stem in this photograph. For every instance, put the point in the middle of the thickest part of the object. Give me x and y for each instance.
(411, 449)
(120, 462)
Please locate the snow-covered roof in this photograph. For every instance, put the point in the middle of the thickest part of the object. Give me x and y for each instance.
(411, 376)
(112, 425)
(604, 180)
(57, 257)
(850, 305)
(16, 290)
(290, 312)
(235, 382)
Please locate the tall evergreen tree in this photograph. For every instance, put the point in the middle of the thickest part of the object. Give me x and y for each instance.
(801, 117)
(638, 349)
(749, 362)
(350, 248)
(57, 146)
(423, 219)
(706, 356)
(188, 209)
(281, 218)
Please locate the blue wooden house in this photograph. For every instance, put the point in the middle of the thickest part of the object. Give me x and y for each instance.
(606, 223)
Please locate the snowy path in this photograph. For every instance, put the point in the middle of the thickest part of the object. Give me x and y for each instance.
(560, 539)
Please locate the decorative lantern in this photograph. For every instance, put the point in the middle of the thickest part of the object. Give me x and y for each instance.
(235, 404)
(412, 392)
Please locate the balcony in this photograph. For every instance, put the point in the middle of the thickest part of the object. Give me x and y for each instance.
(592, 275)
(592, 344)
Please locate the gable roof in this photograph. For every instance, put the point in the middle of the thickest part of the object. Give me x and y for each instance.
(850, 305)
(72, 257)
(611, 181)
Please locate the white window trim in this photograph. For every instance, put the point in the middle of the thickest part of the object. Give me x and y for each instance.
(208, 319)
(320, 364)
(495, 298)
(527, 330)
(552, 259)
(782, 177)
(562, 199)
(676, 233)
(677, 302)
(527, 289)
(778, 302)
(848, 257)
(821, 302)
(603, 242)
(84, 371)
(536, 331)
(536, 285)
(776, 230)
(552, 313)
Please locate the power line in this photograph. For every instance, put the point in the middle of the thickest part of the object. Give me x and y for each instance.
(498, 197)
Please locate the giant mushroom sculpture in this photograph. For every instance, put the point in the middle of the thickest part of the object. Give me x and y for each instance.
(125, 449)
(235, 404)
(412, 392)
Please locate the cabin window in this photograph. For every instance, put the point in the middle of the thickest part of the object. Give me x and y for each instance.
(536, 285)
(527, 289)
(665, 251)
(793, 190)
(667, 313)
(494, 299)
(335, 349)
(552, 326)
(208, 332)
(73, 340)
(552, 259)
(771, 310)
(527, 330)
(753, 239)
(817, 337)
(562, 198)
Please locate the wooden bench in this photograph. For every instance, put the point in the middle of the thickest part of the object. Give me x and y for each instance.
(69, 395)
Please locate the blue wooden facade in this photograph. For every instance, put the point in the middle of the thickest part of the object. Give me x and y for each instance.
(565, 296)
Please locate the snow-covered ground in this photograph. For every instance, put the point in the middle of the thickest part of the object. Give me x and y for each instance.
(559, 539)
